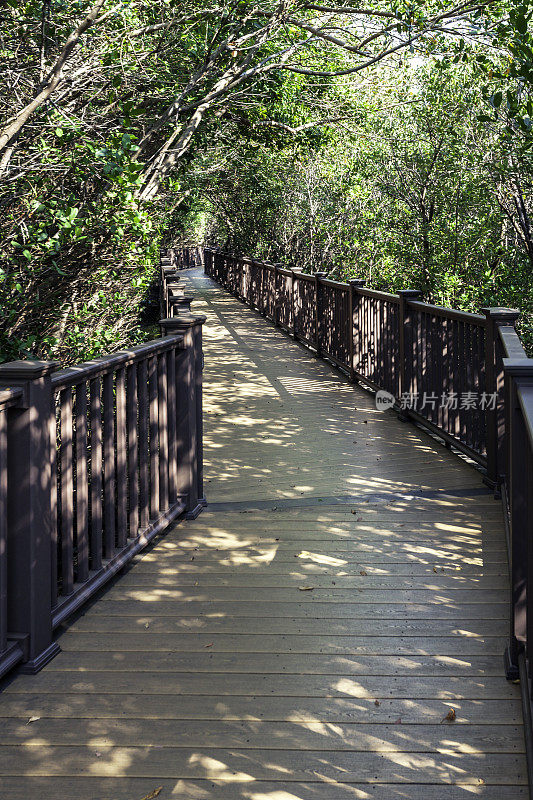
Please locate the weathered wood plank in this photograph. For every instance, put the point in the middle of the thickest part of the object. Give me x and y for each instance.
(245, 683)
(364, 711)
(398, 737)
(89, 788)
(282, 766)
(187, 638)
(305, 609)
(440, 580)
(282, 663)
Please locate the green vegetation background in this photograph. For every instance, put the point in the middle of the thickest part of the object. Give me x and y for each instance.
(414, 172)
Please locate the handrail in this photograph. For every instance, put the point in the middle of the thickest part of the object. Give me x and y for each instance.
(95, 460)
(10, 397)
(103, 364)
(449, 313)
(510, 341)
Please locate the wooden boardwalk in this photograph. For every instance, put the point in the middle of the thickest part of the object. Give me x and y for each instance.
(306, 637)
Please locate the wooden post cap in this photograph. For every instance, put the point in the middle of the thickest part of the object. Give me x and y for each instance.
(27, 370)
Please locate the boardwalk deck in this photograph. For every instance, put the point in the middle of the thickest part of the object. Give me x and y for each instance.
(306, 636)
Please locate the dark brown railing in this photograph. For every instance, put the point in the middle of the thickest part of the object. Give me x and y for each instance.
(409, 348)
(415, 351)
(95, 461)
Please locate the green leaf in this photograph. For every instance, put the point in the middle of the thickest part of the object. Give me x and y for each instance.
(521, 24)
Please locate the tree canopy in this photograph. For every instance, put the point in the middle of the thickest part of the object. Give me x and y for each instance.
(390, 141)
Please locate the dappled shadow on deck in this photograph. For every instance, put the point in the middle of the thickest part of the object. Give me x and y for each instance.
(306, 637)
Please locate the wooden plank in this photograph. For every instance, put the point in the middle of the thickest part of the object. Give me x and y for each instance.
(129, 681)
(472, 613)
(342, 602)
(165, 636)
(282, 766)
(260, 554)
(364, 711)
(146, 564)
(255, 735)
(341, 548)
(283, 663)
(123, 788)
(209, 580)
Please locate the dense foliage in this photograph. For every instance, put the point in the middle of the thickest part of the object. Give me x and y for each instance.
(392, 143)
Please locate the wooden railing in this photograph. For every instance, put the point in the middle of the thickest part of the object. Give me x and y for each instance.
(412, 349)
(183, 257)
(432, 360)
(95, 460)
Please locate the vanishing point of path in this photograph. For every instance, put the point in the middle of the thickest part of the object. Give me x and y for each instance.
(306, 637)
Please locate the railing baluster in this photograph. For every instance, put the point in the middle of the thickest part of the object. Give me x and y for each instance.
(109, 466)
(67, 494)
(82, 500)
(133, 485)
(163, 431)
(154, 438)
(96, 474)
(54, 521)
(144, 479)
(171, 417)
(122, 509)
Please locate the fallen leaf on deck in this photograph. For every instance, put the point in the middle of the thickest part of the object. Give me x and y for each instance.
(377, 703)
(32, 719)
(362, 572)
(209, 645)
(305, 588)
(450, 716)
(146, 624)
(153, 794)
(434, 569)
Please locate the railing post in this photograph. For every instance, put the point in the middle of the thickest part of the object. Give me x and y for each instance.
(318, 307)
(519, 484)
(404, 321)
(495, 385)
(31, 510)
(294, 272)
(189, 414)
(355, 284)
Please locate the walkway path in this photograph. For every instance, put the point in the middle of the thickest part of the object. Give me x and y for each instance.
(306, 637)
